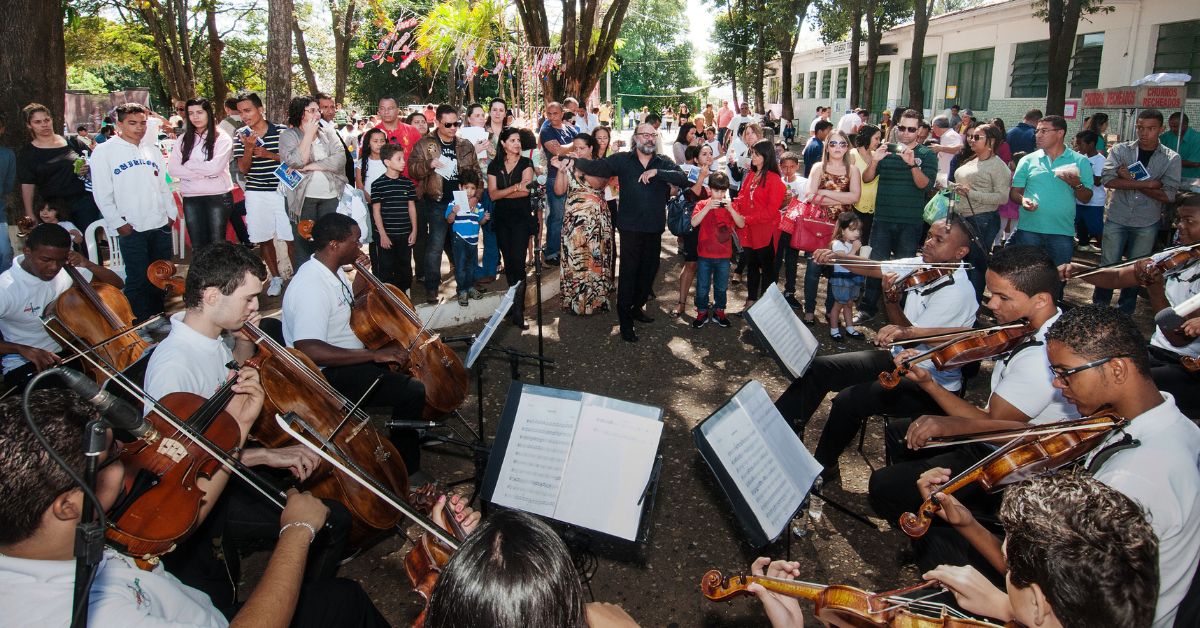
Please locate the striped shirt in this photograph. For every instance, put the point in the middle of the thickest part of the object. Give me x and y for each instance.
(393, 197)
(261, 177)
(466, 224)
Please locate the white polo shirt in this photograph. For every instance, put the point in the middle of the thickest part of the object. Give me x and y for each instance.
(948, 302)
(1023, 379)
(23, 301)
(1161, 475)
(37, 593)
(187, 361)
(316, 306)
(1178, 291)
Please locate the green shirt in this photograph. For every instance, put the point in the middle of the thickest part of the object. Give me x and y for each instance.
(1188, 151)
(897, 198)
(1055, 214)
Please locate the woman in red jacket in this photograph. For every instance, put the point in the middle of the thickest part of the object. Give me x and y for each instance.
(759, 201)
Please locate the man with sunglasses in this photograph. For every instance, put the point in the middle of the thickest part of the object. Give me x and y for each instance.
(1098, 361)
(437, 160)
(906, 172)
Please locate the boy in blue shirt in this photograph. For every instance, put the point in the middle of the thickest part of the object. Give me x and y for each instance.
(466, 221)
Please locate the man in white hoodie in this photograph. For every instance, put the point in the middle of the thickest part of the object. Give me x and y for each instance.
(129, 184)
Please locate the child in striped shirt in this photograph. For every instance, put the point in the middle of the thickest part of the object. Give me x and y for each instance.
(466, 221)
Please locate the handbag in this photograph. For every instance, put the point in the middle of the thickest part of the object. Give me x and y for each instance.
(789, 216)
(939, 206)
(679, 215)
(814, 229)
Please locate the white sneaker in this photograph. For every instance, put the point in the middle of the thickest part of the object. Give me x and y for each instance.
(276, 287)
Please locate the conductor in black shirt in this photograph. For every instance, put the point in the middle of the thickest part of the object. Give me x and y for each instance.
(646, 179)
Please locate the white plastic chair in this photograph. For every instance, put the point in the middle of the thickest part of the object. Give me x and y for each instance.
(115, 262)
(179, 229)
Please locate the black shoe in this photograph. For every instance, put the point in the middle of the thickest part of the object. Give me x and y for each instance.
(641, 317)
(829, 475)
(700, 320)
(629, 336)
(519, 323)
(836, 335)
(721, 319)
(791, 300)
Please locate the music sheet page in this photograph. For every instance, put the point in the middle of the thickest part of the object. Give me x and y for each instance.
(788, 336)
(531, 475)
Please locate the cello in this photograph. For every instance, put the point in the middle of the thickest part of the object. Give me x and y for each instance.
(100, 315)
(293, 383)
(383, 315)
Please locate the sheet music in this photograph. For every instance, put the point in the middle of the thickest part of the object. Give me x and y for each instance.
(489, 328)
(610, 463)
(532, 472)
(765, 459)
(791, 340)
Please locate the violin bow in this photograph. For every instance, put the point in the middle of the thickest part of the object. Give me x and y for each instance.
(1131, 262)
(1074, 425)
(956, 335)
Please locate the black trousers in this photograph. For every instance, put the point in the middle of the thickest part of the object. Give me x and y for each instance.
(403, 394)
(639, 266)
(787, 259)
(1170, 377)
(336, 602)
(892, 491)
(244, 520)
(760, 270)
(856, 375)
(395, 264)
(512, 238)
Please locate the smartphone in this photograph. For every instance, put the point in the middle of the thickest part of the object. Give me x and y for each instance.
(894, 149)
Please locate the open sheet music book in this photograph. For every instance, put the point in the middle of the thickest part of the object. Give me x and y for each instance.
(760, 463)
(574, 457)
(786, 336)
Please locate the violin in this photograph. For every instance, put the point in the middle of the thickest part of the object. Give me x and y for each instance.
(1172, 264)
(918, 279)
(841, 605)
(964, 348)
(424, 562)
(1021, 458)
(1190, 364)
(25, 224)
(161, 501)
(100, 315)
(293, 383)
(383, 315)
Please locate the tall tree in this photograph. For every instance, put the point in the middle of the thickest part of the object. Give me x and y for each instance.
(589, 37)
(220, 89)
(279, 58)
(835, 19)
(916, 89)
(880, 15)
(310, 78)
(656, 57)
(1063, 19)
(784, 32)
(345, 26)
(168, 23)
(33, 67)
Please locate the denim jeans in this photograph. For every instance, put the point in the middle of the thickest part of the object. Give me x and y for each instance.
(434, 215)
(554, 221)
(1060, 248)
(6, 252)
(987, 225)
(491, 250)
(1129, 242)
(206, 217)
(711, 272)
(466, 255)
(139, 249)
(812, 282)
(313, 209)
(889, 240)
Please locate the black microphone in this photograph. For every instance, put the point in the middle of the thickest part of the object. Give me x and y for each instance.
(1171, 318)
(412, 425)
(462, 338)
(117, 412)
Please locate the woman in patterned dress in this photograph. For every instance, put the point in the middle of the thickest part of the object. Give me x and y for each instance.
(587, 243)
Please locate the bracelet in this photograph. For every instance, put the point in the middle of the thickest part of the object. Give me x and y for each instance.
(312, 532)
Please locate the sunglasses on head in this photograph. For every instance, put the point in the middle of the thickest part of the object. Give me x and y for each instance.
(908, 129)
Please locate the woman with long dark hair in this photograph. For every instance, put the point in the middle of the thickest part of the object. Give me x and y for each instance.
(1098, 122)
(983, 178)
(48, 164)
(686, 137)
(759, 201)
(316, 152)
(513, 221)
(199, 164)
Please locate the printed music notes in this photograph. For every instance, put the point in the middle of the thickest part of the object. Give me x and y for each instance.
(787, 338)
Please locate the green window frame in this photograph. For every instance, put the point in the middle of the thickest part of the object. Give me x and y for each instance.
(812, 84)
(843, 74)
(1030, 70)
(1085, 63)
(879, 90)
(1178, 50)
(971, 71)
(826, 77)
(928, 69)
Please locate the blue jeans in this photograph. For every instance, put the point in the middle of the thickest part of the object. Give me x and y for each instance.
(466, 255)
(491, 251)
(1123, 242)
(987, 225)
(889, 240)
(554, 221)
(711, 272)
(6, 252)
(434, 214)
(812, 282)
(139, 249)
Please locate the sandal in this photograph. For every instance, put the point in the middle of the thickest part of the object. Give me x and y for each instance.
(678, 311)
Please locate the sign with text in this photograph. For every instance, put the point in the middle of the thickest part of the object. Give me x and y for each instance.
(839, 51)
(1167, 97)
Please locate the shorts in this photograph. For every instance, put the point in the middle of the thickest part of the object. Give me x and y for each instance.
(266, 217)
(846, 287)
(689, 245)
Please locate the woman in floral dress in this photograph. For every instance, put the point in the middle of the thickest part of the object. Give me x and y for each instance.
(587, 242)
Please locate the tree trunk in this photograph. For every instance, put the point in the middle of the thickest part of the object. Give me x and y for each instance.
(916, 89)
(785, 84)
(1063, 17)
(168, 27)
(760, 57)
(215, 47)
(583, 62)
(343, 24)
(33, 67)
(874, 35)
(302, 54)
(856, 15)
(279, 59)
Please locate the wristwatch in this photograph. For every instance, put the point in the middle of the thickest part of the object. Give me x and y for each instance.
(1077, 187)
(911, 166)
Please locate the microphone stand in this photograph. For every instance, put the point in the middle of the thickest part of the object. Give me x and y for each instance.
(537, 195)
(89, 532)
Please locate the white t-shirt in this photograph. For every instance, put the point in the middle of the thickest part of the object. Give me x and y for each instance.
(849, 124)
(37, 594)
(23, 301)
(812, 126)
(948, 302)
(949, 138)
(187, 361)
(316, 306)
(1097, 199)
(837, 246)
(736, 122)
(1024, 380)
(1161, 475)
(1178, 291)
(797, 187)
(375, 169)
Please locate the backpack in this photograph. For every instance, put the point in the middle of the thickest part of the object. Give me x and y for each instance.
(679, 215)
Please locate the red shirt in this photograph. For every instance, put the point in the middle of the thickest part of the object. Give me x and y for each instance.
(405, 135)
(760, 202)
(709, 233)
(723, 117)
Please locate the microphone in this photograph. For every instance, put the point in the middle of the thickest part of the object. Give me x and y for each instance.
(117, 412)
(412, 425)
(1172, 317)
(463, 338)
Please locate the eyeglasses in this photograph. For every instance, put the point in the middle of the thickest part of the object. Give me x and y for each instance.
(908, 129)
(643, 135)
(977, 138)
(1049, 130)
(837, 143)
(1061, 375)
(451, 125)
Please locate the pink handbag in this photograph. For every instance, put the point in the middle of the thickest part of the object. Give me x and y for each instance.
(813, 229)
